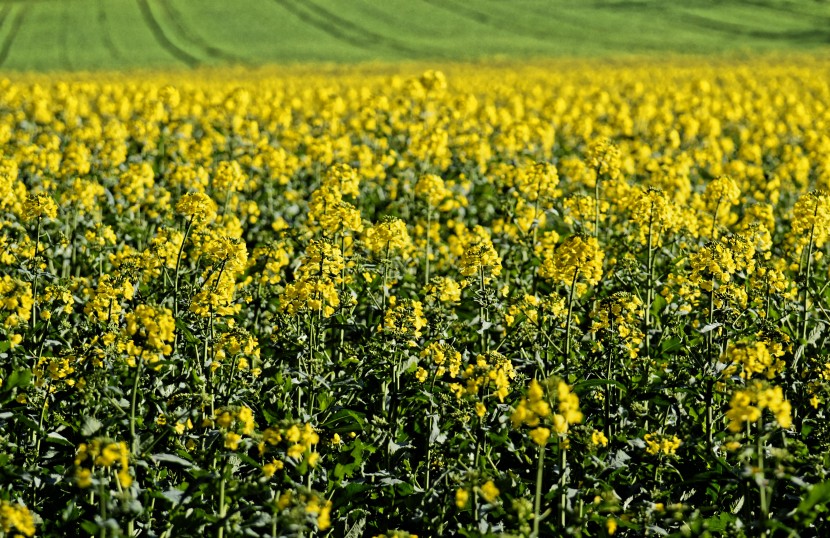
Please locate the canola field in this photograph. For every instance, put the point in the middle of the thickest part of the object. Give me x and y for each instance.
(565, 298)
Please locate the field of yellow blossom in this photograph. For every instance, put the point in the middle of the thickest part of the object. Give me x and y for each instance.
(565, 298)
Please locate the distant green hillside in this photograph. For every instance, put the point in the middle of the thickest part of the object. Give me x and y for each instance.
(114, 34)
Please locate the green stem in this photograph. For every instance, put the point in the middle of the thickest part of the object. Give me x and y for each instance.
(35, 271)
(563, 495)
(134, 439)
(102, 498)
(596, 205)
(385, 277)
(710, 345)
(176, 282)
(649, 284)
(537, 501)
(223, 509)
(608, 393)
(482, 312)
(571, 293)
(761, 482)
(807, 279)
(428, 249)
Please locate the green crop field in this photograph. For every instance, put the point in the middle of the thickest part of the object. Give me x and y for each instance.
(117, 34)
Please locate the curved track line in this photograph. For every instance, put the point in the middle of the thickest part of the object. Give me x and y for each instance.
(485, 19)
(162, 39)
(175, 17)
(10, 37)
(63, 38)
(106, 37)
(375, 37)
(344, 30)
(733, 28)
(608, 38)
(4, 13)
(320, 25)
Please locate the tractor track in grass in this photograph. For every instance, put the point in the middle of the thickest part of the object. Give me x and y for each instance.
(17, 23)
(174, 16)
(106, 36)
(4, 13)
(161, 38)
(501, 23)
(63, 38)
(320, 25)
(344, 30)
(732, 28)
(815, 17)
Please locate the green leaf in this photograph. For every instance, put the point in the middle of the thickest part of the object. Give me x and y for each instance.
(19, 378)
(89, 527)
(90, 426)
(583, 386)
(170, 458)
(819, 494)
(671, 345)
(55, 437)
(345, 420)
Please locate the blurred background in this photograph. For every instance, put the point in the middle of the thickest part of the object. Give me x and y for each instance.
(78, 35)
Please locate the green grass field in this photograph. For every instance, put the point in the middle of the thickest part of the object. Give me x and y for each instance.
(124, 34)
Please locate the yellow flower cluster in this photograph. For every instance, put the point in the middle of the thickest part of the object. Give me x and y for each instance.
(277, 255)
(228, 178)
(445, 357)
(404, 319)
(721, 193)
(653, 212)
(102, 453)
(39, 205)
(105, 302)
(756, 357)
(161, 253)
(534, 409)
(719, 260)
(387, 237)
(327, 207)
(135, 189)
(443, 289)
(315, 289)
(748, 404)
(657, 443)
(581, 209)
(235, 422)
(237, 343)
(576, 256)
(227, 253)
(604, 157)
(431, 188)
(811, 218)
(299, 506)
(151, 330)
(300, 442)
(12, 191)
(322, 260)
(198, 207)
(480, 256)
(16, 517)
(16, 300)
(228, 258)
(491, 373)
(620, 315)
(598, 438)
